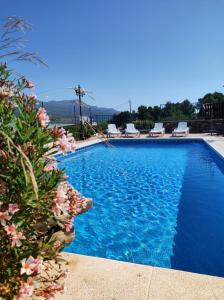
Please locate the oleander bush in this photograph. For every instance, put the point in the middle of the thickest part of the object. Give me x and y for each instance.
(102, 126)
(78, 132)
(37, 204)
(144, 124)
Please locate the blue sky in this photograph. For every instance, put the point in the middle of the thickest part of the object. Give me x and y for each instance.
(149, 51)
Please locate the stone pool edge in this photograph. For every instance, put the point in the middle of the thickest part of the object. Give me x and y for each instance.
(214, 142)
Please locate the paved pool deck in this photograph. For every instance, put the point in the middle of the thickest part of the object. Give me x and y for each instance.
(93, 278)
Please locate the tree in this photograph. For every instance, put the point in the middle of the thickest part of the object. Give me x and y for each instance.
(187, 108)
(12, 42)
(143, 113)
(178, 111)
(122, 118)
(211, 98)
(168, 110)
(155, 112)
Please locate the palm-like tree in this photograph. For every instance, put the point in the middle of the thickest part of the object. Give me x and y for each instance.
(12, 42)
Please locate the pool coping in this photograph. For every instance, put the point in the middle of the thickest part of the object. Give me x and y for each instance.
(94, 278)
(214, 142)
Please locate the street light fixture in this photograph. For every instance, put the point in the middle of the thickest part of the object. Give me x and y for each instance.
(80, 92)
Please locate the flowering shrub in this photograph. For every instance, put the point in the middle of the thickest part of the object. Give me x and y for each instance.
(37, 204)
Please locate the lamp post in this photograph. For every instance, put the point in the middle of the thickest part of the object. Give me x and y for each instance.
(90, 114)
(129, 101)
(74, 113)
(80, 92)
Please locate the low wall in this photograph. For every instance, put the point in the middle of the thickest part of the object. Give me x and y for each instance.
(197, 126)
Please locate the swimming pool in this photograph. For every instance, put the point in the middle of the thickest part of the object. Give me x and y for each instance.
(158, 203)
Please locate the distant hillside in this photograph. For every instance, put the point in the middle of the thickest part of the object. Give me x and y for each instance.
(64, 110)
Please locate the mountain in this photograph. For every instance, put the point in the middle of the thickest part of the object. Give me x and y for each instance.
(65, 110)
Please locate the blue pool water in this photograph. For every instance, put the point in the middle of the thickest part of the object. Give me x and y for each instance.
(155, 203)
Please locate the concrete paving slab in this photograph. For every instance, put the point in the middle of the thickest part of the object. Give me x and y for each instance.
(91, 278)
(169, 284)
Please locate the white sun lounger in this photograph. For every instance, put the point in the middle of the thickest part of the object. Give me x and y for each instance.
(158, 129)
(182, 128)
(113, 131)
(130, 129)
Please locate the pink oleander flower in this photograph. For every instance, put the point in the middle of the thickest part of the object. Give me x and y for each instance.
(31, 265)
(29, 84)
(13, 208)
(69, 225)
(73, 144)
(42, 117)
(6, 91)
(61, 131)
(79, 210)
(57, 244)
(66, 144)
(77, 203)
(50, 291)
(4, 216)
(26, 290)
(10, 229)
(33, 96)
(63, 144)
(61, 201)
(15, 236)
(58, 132)
(50, 166)
(27, 266)
(16, 239)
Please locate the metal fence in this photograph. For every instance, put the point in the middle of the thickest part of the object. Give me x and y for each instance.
(101, 118)
(93, 118)
(212, 111)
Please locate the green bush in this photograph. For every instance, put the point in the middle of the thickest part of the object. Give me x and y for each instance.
(77, 132)
(144, 124)
(102, 126)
